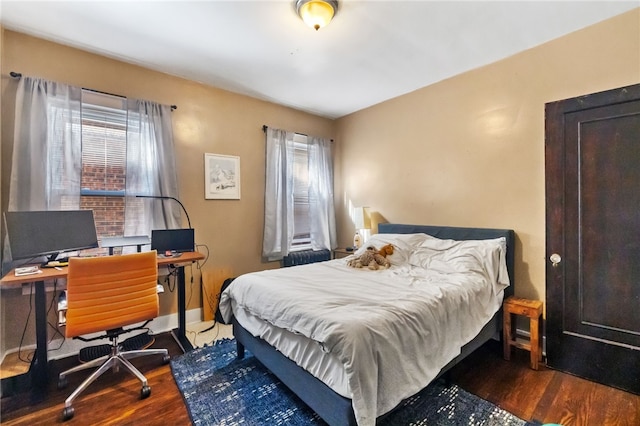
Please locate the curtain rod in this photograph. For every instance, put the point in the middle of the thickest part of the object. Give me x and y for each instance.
(265, 127)
(19, 75)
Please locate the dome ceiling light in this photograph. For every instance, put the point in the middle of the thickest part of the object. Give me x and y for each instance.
(316, 13)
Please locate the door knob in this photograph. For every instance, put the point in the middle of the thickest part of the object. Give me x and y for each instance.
(555, 259)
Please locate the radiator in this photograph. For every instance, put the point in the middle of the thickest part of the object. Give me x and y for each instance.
(306, 256)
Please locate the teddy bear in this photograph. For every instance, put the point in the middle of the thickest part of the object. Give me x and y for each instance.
(372, 258)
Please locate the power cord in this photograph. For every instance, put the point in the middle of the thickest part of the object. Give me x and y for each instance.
(211, 299)
(56, 328)
(190, 289)
(211, 305)
(199, 268)
(195, 334)
(24, 331)
(172, 273)
(200, 265)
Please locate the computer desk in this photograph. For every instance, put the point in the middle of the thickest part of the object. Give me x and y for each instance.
(39, 365)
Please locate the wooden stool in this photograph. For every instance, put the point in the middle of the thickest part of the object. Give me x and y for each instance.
(528, 308)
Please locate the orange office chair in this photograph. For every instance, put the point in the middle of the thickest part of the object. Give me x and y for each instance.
(107, 294)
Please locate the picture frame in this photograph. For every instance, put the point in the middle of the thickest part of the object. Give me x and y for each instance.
(221, 177)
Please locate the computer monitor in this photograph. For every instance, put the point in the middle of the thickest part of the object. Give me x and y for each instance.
(174, 240)
(35, 234)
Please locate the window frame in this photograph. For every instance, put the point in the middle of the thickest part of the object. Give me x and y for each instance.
(107, 113)
(301, 241)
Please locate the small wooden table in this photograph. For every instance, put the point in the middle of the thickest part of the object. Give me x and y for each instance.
(339, 253)
(528, 308)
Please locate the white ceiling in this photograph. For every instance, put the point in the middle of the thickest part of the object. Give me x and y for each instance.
(372, 50)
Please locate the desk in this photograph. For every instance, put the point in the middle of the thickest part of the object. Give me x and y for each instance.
(39, 368)
(180, 333)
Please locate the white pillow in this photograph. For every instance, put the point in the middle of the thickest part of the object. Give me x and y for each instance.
(403, 245)
(487, 257)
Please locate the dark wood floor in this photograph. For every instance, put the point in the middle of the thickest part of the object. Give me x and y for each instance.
(546, 396)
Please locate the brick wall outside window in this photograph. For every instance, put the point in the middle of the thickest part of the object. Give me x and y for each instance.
(108, 211)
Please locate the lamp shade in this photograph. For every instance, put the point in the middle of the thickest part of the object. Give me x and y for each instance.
(361, 218)
(316, 13)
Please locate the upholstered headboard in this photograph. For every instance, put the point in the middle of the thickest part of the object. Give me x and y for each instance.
(455, 233)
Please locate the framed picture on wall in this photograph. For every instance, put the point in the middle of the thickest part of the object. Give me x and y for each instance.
(221, 177)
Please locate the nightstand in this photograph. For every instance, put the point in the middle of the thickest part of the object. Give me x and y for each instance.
(528, 308)
(340, 252)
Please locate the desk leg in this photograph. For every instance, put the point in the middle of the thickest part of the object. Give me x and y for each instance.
(180, 333)
(40, 372)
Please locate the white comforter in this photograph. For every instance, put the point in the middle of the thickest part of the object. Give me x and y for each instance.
(393, 330)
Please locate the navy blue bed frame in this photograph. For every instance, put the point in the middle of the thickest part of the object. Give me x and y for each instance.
(332, 407)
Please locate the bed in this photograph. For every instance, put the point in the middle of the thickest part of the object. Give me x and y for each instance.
(337, 353)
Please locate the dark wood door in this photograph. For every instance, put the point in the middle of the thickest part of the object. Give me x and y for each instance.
(592, 155)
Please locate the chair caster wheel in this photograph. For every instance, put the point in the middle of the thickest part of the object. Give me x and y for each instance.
(145, 392)
(62, 383)
(166, 359)
(67, 413)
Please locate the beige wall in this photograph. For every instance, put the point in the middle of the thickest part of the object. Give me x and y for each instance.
(469, 151)
(208, 120)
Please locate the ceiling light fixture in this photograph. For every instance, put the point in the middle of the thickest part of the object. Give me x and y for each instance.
(316, 13)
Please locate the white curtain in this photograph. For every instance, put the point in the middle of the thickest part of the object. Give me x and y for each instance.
(278, 196)
(47, 156)
(151, 168)
(321, 210)
(279, 200)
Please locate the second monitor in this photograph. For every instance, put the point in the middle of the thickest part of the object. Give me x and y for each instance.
(172, 240)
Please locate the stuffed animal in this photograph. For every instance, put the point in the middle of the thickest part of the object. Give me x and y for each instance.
(386, 250)
(372, 258)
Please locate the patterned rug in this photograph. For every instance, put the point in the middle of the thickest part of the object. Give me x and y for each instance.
(219, 389)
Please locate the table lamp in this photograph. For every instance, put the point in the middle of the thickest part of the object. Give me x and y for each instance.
(361, 221)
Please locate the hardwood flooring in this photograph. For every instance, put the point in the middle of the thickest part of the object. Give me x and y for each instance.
(114, 399)
(546, 396)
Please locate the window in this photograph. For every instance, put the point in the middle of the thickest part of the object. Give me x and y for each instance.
(301, 221)
(298, 208)
(118, 143)
(76, 148)
(104, 150)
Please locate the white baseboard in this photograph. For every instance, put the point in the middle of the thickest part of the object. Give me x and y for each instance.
(62, 348)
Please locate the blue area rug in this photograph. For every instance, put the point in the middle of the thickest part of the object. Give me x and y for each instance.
(219, 389)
